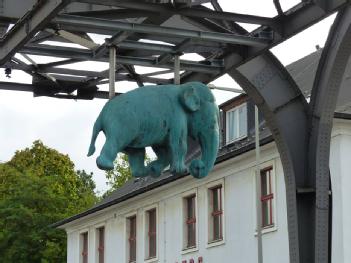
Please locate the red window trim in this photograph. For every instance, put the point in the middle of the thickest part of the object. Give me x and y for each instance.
(101, 246)
(269, 197)
(217, 213)
(151, 234)
(85, 247)
(191, 220)
(132, 239)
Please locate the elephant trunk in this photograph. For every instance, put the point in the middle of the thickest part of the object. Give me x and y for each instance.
(209, 142)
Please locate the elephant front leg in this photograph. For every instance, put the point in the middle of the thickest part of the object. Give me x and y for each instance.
(156, 167)
(136, 159)
(178, 148)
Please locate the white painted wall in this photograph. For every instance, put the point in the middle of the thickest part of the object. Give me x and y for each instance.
(340, 169)
(239, 243)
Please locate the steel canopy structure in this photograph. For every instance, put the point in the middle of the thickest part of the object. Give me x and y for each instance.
(155, 33)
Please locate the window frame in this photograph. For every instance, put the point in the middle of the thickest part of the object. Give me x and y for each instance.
(128, 237)
(209, 186)
(274, 227)
(185, 195)
(98, 243)
(82, 243)
(217, 213)
(147, 257)
(269, 197)
(236, 109)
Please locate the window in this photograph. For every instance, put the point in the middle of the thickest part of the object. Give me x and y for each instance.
(236, 123)
(151, 239)
(101, 244)
(84, 247)
(190, 221)
(131, 233)
(216, 214)
(267, 196)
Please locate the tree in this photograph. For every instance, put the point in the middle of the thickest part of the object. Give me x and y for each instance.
(121, 173)
(39, 187)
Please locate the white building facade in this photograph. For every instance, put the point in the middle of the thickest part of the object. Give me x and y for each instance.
(213, 219)
(179, 219)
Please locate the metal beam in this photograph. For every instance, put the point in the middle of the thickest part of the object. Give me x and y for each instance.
(114, 40)
(28, 26)
(64, 52)
(327, 84)
(192, 12)
(13, 86)
(166, 57)
(163, 31)
(295, 20)
(16, 86)
(115, 13)
(134, 75)
(74, 38)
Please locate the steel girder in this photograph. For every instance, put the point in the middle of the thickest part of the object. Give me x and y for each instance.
(325, 93)
(28, 26)
(301, 131)
(210, 44)
(285, 110)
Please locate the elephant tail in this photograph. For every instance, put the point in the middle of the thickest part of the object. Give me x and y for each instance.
(97, 128)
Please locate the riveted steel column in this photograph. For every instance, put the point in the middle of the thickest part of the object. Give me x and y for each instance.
(325, 92)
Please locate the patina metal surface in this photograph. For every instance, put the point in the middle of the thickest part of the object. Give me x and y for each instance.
(162, 117)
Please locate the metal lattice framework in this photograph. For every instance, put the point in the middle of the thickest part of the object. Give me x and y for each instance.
(301, 130)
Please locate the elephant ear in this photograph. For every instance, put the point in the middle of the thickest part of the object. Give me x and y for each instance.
(189, 98)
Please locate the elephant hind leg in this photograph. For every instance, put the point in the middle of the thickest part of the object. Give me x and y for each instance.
(108, 154)
(136, 159)
(163, 160)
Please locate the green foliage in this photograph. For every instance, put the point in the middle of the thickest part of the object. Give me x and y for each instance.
(39, 187)
(121, 173)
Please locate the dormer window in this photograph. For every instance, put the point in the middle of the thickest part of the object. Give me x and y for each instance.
(236, 123)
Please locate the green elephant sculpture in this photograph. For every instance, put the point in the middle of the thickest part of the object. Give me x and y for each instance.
(161, 116)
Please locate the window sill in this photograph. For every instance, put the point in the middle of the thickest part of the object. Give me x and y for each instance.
(149, 260)
(215, 243)
(268, 229)
(189, 250)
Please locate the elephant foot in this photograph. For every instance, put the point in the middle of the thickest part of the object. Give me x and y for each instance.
(140, 173)
(179, 169)
(197, 169)
(104, 164)
(154, 169)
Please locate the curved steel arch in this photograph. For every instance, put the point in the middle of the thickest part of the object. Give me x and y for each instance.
(303, 139)
(325, 93)
(277, 96)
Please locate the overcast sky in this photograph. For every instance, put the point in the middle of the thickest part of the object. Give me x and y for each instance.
(66, 124)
